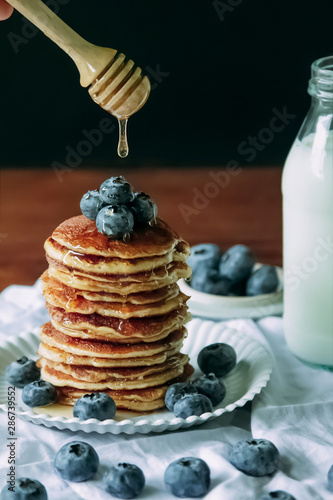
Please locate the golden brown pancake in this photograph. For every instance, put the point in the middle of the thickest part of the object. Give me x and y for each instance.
(56, 287)
(98, 283)
(60, 356)
(138, 400)
(125, 375)
(91, 378)
(80, 234)
(56, 295)
(96, 264)
(156, 276)
(132, 330)
(97, 352)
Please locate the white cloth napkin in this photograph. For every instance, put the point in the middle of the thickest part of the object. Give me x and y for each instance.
(294, 411)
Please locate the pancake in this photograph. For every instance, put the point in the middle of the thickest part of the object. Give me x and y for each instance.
(58, 287)
(80, 281)
(80, 234)
(56, 295)
(57, 355)
(138, 400)
(114, 329)
(111, 265)
(135, 374)
(91, 379)
(104, 352)
(153, 276)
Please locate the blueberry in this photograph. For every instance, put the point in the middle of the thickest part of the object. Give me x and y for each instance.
(258, 457)
(192, 404)
(95, 405)
(143, 208)
(237, 289)
(330, 478)
(205, 255)
(187, 477)
(115, 221)
(264, 280)
(39, 393)
(90, 204)
(124, 481)
(76, 461)
(177, 391)
(211, 387)
(22, 372)
(237, 263)
(210, 281)
(217, 358)
(116, 191)
(279, 495)
(25, 489)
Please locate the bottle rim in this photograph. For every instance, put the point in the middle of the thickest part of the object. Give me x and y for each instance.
(321, 82)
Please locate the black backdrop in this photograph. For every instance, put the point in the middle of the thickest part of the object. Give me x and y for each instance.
(221, 72)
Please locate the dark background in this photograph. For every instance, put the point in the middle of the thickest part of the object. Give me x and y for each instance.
(224, 73)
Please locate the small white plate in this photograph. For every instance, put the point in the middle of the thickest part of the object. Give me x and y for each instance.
(211, 306)
(251, 374)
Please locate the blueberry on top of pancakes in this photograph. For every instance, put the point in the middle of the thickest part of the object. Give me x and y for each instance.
(116, 209)
(116, 191)
(91, 203)
(143, 208)
(115, 221)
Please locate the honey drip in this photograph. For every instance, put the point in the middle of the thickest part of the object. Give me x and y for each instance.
(123, 148)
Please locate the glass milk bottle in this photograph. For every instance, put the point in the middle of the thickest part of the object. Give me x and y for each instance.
(307, 187)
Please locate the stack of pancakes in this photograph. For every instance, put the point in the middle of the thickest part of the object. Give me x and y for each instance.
(117, 314)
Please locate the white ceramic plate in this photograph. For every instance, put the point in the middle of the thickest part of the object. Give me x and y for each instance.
(251, 374)
(211, 306)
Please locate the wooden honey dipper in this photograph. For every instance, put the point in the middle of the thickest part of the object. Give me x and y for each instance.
(116, 85)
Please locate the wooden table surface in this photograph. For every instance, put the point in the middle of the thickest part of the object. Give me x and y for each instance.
(203, 204)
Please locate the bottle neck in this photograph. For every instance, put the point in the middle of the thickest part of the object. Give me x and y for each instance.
(321, 82)
(319, 120)
(322, 105)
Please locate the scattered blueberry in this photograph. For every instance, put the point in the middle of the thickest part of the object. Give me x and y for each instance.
(263, 280)
(22, 372)
(116, 191)
(187, 477)
(115, 221)
(76, 461)
(124, 481)
(90, 204)
(39, 393)
(211, 387)
(217, 358)
(210, 281)
(204, 255)
(330, 478)
(279, 495)
(25, 489)
(257, 457)
(192, 404)
(95, 405)
(237, 263)
(177, 391)
(144, 209)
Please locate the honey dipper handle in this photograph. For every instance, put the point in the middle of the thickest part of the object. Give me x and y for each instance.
(89, 59)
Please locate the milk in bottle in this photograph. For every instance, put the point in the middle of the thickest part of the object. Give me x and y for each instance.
(307, 186)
